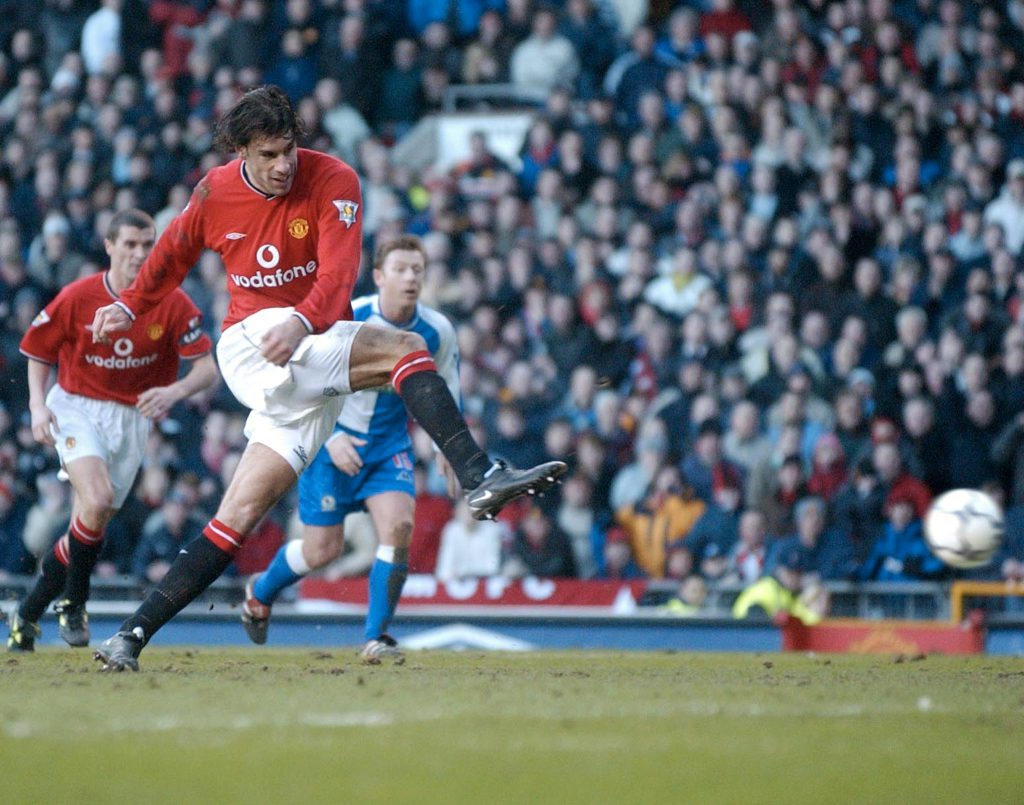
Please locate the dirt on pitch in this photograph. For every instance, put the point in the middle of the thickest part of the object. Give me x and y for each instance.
(262, 726)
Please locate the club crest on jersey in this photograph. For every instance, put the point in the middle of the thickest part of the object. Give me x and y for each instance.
(70, 443)
(346, 211)
(298, 228)
(154, 331)
(41, 318)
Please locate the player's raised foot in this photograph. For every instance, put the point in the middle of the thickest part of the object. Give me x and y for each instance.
(120, 652)
(503, 484)
(383, 648)
(255, 615)
(23, 634)
(73, 623)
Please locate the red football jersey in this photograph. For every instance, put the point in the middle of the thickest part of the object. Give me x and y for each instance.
(301, 249)
(143, 357)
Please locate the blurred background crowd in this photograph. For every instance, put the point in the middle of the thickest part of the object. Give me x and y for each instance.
(755, 271)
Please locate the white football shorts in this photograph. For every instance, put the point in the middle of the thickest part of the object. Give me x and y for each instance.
(111, 431)
(293, 408)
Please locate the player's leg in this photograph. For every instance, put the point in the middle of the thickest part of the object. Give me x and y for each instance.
(24, 625)
(319, 546)
(96, 499)
(381, 356)
(261, 478)
(392, 514)
(84, 445)
(276, 455)
(322, 492)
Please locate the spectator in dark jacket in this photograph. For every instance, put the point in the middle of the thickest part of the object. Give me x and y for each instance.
(814, 552)
(540, 548)
(1008, 455)
(164, 536)
(900, 554)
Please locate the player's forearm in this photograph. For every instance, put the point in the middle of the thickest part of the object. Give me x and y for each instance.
(202, 375)
(165, 269)
(156, 280)
(38, 377)
(328, 301)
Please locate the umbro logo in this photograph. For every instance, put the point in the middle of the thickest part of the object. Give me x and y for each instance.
(235, 235)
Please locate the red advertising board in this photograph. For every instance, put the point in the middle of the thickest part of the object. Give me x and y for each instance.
(851, 636)
(496, 591)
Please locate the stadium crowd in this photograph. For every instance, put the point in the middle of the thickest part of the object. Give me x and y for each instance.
(756, 273)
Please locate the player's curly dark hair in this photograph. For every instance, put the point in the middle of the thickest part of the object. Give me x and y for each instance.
(261, 112)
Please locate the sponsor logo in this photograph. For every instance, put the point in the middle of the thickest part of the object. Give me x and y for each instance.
(41, 318)
(194, 331)
(122, 357)
(154, 331)
(300, 451)
(328, 503)
(268, 256)
(298, 228)
(346, 211)
(274, 280)
(121, 363)
(235, 235)
(70, 443)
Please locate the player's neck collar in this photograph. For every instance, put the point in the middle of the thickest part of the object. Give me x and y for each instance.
(249, 182)
(108, 286)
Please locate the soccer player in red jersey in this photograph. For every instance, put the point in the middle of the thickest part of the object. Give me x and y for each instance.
(99, 413)
(286, 222)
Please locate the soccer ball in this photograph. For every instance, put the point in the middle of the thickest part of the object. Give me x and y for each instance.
(964, 528)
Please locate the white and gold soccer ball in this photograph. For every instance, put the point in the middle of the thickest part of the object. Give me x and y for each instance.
(964, 528)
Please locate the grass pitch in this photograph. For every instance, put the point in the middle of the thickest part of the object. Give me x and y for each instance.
(268, 726)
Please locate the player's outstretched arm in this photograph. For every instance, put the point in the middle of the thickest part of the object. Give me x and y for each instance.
(109, 319)
(156, 402)
(42, 417)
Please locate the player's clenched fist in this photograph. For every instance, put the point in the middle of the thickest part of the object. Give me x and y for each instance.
(42, 422)
(109, 319)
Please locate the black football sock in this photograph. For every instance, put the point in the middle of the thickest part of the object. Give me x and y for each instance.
(47, 587)
(431, 404)
(83, 557)
(195, 568)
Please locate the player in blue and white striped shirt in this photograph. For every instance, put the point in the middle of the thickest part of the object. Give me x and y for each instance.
(366, 463)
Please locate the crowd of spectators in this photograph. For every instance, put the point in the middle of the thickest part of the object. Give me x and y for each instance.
(756, 273)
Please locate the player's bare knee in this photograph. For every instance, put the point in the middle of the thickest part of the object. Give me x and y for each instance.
(322, 549)
(401, 535)
(407, 343)
(96, 505)
(321, 555)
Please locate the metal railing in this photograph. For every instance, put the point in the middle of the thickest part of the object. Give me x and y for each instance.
(868, 600)
(491, 96)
